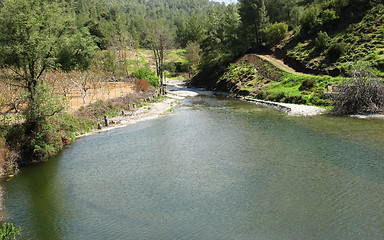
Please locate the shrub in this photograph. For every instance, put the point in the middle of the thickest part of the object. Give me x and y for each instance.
(322, 41)
(146, 74)
(308, 84)
(45, 142)
(8, 231)
(329, 16)
(335, 51)
(142, 85)
(361, 95)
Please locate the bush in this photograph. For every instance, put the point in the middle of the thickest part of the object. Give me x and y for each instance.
(322, 41)
(328, 16)
(307, 85)
(45, 142)
(335, 51)
(146, 74)
(142, 85)
(8, 231)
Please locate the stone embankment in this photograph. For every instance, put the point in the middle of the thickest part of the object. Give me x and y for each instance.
(289, 108)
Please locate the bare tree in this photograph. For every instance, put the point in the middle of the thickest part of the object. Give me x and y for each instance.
(159, 40)
(361, 95)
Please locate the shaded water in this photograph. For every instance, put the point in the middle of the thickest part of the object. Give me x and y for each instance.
(216, 169)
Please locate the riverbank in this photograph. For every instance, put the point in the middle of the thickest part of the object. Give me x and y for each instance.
(177, 90)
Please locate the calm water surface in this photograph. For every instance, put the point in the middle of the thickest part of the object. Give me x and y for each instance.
(215, 169)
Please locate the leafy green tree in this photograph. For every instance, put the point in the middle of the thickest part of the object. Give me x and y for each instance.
(191, 30)
(254, 20)
(221, 41)
(309, 19)
(283, 11)
(77, 50)
(32, 33)
(275, 33)
(194, 56)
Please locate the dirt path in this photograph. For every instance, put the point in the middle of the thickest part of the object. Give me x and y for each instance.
(280, 64)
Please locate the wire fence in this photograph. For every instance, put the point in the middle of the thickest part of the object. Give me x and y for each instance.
(107, 90)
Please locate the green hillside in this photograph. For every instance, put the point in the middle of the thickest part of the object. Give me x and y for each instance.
(331, 48)
(252, 75)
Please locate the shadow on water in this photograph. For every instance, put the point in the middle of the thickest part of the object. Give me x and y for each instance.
(215, 169)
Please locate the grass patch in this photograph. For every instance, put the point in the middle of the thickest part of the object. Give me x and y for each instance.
(300, 89)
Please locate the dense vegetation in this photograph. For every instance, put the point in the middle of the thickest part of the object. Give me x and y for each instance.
(320, 37)
(314, 36)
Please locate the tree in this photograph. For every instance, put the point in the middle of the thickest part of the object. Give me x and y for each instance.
(276, 32)
(191, 30)
(222, 41)
(31, 30)
(77, 50)
(282, 10)
(159, 40)
(254, 19)
(31, 33)
(194, 56)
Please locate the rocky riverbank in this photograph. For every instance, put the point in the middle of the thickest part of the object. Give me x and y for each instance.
(176, 90)
(290, 109)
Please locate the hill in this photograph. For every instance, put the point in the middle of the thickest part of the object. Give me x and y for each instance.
(332, 45)
(321, 48)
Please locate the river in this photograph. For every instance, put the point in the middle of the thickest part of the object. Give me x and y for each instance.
(214, 169)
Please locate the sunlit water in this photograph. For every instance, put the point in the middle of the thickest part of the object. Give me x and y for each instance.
(215, 169)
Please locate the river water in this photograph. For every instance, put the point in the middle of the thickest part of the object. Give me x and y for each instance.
(215, 169)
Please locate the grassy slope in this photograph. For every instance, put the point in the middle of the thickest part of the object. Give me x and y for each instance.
(361, 40)
(254, 76)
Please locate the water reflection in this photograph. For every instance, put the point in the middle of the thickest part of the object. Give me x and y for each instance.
(216, 169)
